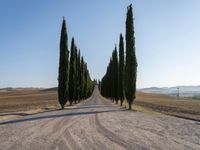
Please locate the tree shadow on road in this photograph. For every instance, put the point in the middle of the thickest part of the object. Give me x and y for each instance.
(60, 115)
(26, 114)
(198, 123)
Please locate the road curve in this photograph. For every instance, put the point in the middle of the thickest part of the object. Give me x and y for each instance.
(98, 124)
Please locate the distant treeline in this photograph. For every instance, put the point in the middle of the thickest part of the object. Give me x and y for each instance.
(74, 82)
(119, 82)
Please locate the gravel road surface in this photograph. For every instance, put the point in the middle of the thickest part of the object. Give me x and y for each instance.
(97, 124)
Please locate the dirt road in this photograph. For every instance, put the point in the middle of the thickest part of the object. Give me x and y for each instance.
(99, 124)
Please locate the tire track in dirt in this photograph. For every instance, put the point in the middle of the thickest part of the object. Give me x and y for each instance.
(153, 131)
(67, 137)
(109, 134)
(130, 140)
(93, 125)
(61, 138)
(105, 132)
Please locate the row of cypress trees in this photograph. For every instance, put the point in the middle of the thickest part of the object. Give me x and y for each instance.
(112, 84)
(74, 82)
(119, 82)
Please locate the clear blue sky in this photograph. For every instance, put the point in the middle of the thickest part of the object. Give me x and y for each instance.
(167, 39)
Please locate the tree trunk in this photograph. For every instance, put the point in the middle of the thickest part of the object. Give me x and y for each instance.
(70, 103)
(129, 106)
(62, 106)
(121, 103)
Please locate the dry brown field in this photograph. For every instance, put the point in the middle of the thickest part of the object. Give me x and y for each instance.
(30, 99)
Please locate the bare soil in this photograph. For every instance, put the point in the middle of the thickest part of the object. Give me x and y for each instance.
(26, 100)
(182, 107)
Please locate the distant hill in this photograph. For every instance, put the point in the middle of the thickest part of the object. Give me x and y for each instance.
(10, 89)
(51, 89)
(184, 91)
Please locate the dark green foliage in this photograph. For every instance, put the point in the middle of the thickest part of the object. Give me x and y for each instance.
(85, 81)
(111, 76)
(109, 83)
(74, 82)
(121, 69)
(63, 67)
(82, 72)
(131, 62)
(90, 85)
(72, 73)
(120, 78)
(79, 78)
(78, 73)
(75, 75)
(115, 75)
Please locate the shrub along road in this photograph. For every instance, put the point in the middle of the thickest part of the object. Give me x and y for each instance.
(99, 124)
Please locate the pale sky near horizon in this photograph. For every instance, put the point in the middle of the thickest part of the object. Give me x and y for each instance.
(167, 36)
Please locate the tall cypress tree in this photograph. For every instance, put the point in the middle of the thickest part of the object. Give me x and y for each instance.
(75, 75)
(108, 81)
(85, 81)
(115, 74)
(72, 72)
(63, 67)
(111, 76)
(82, 79)
(131, 62)
(78, 66)
(121, 69)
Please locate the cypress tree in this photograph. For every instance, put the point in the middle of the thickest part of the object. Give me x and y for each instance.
(72, 72)
(111, 76)
(115, 75)
(121, 69)
(75, 75)
(110, 80)
(131, 62)
(85, 81)
(91, 85)
(63, 67)
(82, 79)
(78, 75)
(107, 83)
